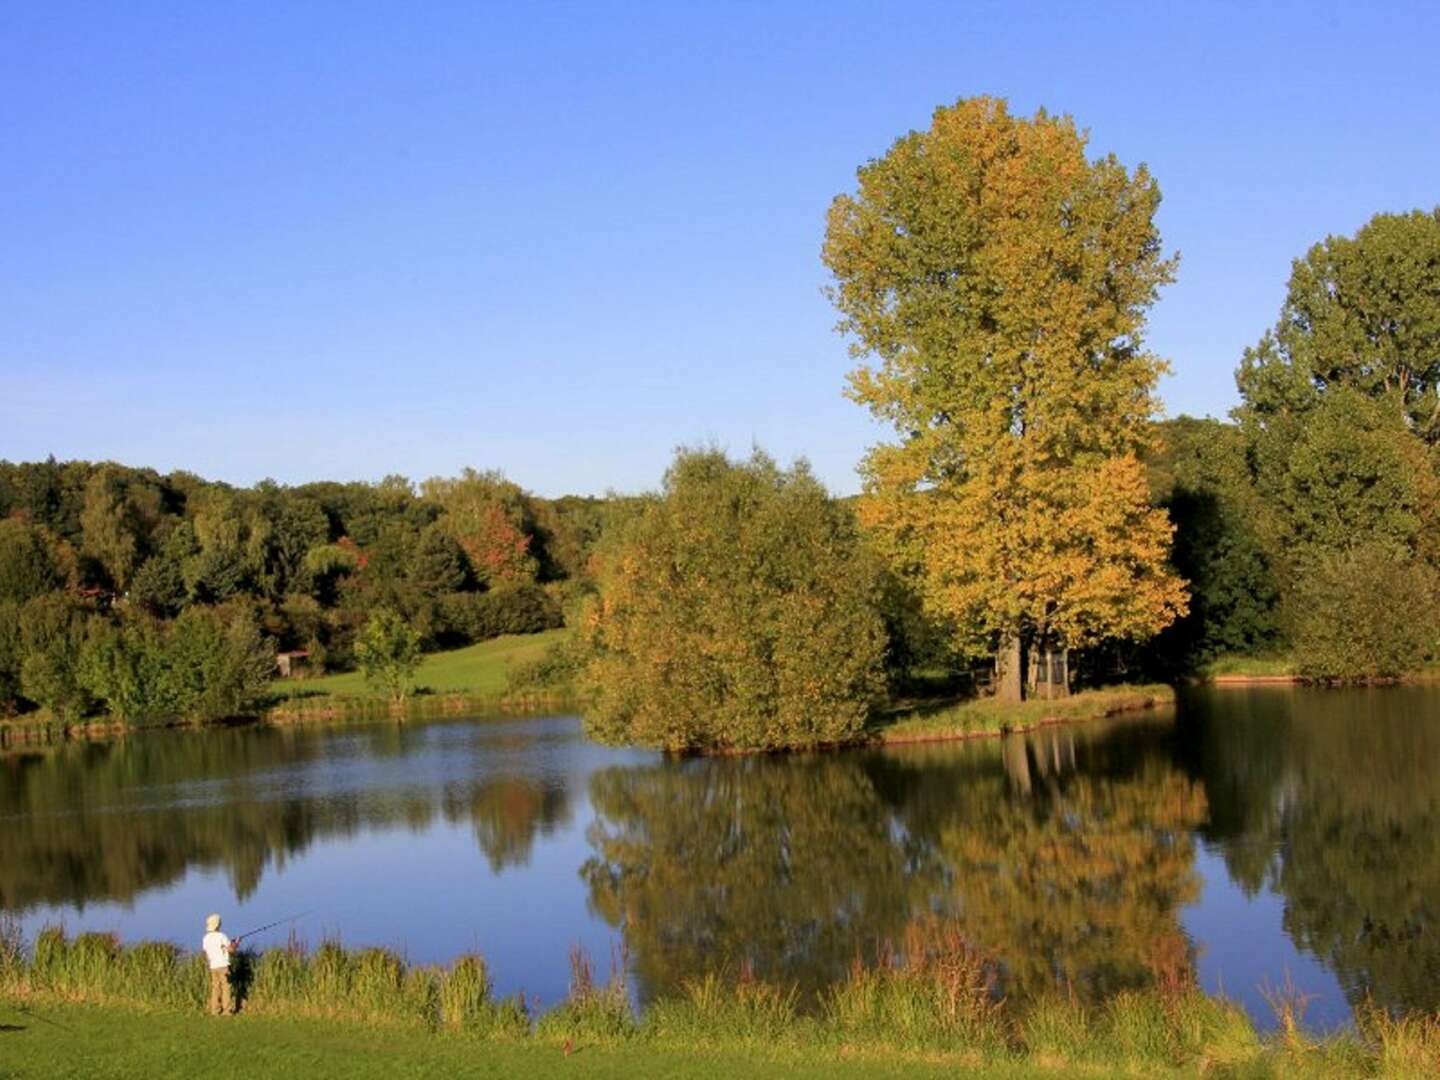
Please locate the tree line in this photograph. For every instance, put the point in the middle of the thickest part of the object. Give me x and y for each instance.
(154, 597)
(1030, 514)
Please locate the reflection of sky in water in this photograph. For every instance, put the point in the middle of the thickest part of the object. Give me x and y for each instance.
(377, 832)
(425, 890)
(1244, 950)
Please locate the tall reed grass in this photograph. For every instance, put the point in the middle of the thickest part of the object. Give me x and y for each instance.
(931, 995)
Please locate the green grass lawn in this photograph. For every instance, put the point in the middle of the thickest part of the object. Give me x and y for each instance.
(117, 1043)
(476, 671)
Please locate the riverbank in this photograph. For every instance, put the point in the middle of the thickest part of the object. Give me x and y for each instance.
(986, 717)
(89, 1007)
(473, 679)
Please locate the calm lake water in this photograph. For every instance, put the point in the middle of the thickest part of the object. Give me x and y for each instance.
(1258, 835)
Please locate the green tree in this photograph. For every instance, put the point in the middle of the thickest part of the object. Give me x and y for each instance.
(736, 609)
(52, 638)
(12, 655)
(110, 531)
(1201, 476)
(999, 281)
(217, 663)
(492, 519)
(1366, 612)
(388, 650)
(1361, 312)
(27, 568)
(1347, 471)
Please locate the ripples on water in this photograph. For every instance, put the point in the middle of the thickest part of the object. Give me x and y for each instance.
(1255, 835)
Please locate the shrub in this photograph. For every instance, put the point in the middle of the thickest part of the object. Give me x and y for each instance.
(735, 609)
(555, 671)
(1364, 613)
(389, 653)
(517, 609)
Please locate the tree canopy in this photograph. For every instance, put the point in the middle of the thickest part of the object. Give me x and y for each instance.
(736, 608)
(997, 279)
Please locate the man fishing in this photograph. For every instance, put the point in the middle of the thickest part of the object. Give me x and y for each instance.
(217, 948)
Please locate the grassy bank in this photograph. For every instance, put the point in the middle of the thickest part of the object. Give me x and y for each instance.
(1239, 668)
(986, 716)
(90, 1007)
(474, 674)
(457, 680)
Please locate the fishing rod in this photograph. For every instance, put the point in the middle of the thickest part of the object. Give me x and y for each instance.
(270, 926)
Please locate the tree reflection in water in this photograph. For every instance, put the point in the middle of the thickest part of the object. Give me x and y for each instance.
(1332, 799)
(793, 867)
(107, 822)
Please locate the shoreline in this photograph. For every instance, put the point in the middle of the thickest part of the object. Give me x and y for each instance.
(22, 733)
(938, 1010)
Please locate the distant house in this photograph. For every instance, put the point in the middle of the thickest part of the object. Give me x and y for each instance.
(289, 663)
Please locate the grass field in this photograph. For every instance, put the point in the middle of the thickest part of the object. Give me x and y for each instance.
(474, 671)
(117, 1043)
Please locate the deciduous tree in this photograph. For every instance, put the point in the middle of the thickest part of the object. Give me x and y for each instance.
(998, 279)
(388, 650)
(736, 609)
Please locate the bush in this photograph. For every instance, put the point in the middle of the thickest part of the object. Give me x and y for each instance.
(389, 653)
(207, 665)
(518, 609)
(555, 671)
(1364, 613)
(735, 609)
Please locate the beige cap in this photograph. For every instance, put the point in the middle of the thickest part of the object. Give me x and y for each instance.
(212, 923)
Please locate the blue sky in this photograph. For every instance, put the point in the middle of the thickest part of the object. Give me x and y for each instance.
(337, 241)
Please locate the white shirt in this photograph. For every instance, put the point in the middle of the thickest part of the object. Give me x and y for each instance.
(217, 949)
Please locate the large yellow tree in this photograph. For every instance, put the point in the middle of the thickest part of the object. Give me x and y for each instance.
(996, 281)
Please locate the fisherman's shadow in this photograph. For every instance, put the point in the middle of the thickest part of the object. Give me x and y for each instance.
(4, 1028)
(242, 975)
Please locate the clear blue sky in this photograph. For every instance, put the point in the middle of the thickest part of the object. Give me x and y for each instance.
(309, 240)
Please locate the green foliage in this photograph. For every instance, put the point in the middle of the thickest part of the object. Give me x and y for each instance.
(220, 664)
(591, 1012)
(555, 671)
(1366, 612)
(11, 656)
(515, 609)
(1201, 475)
(389, 654)
(52, 635)
(737, 609)
(110, 531)
(1361, 312)
(932, 992)
(27, 567)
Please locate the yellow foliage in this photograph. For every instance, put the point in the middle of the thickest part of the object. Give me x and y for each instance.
(999, 278)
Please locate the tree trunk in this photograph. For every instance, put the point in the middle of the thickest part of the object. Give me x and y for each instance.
(1009, 669)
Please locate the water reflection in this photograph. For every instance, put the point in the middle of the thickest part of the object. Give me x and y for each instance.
(1094, 858)
(109, 822)
(1332, 800)
(792, 867)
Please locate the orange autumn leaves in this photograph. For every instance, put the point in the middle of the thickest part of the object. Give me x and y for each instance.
(997, 280)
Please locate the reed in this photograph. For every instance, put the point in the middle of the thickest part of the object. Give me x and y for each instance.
(931, 995)
(719, 1008)
(592, 1012)
(934, 992)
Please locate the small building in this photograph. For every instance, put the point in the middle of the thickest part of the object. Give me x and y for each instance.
(291, 662)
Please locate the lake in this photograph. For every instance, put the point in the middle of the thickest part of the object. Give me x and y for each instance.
(1248, 835)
